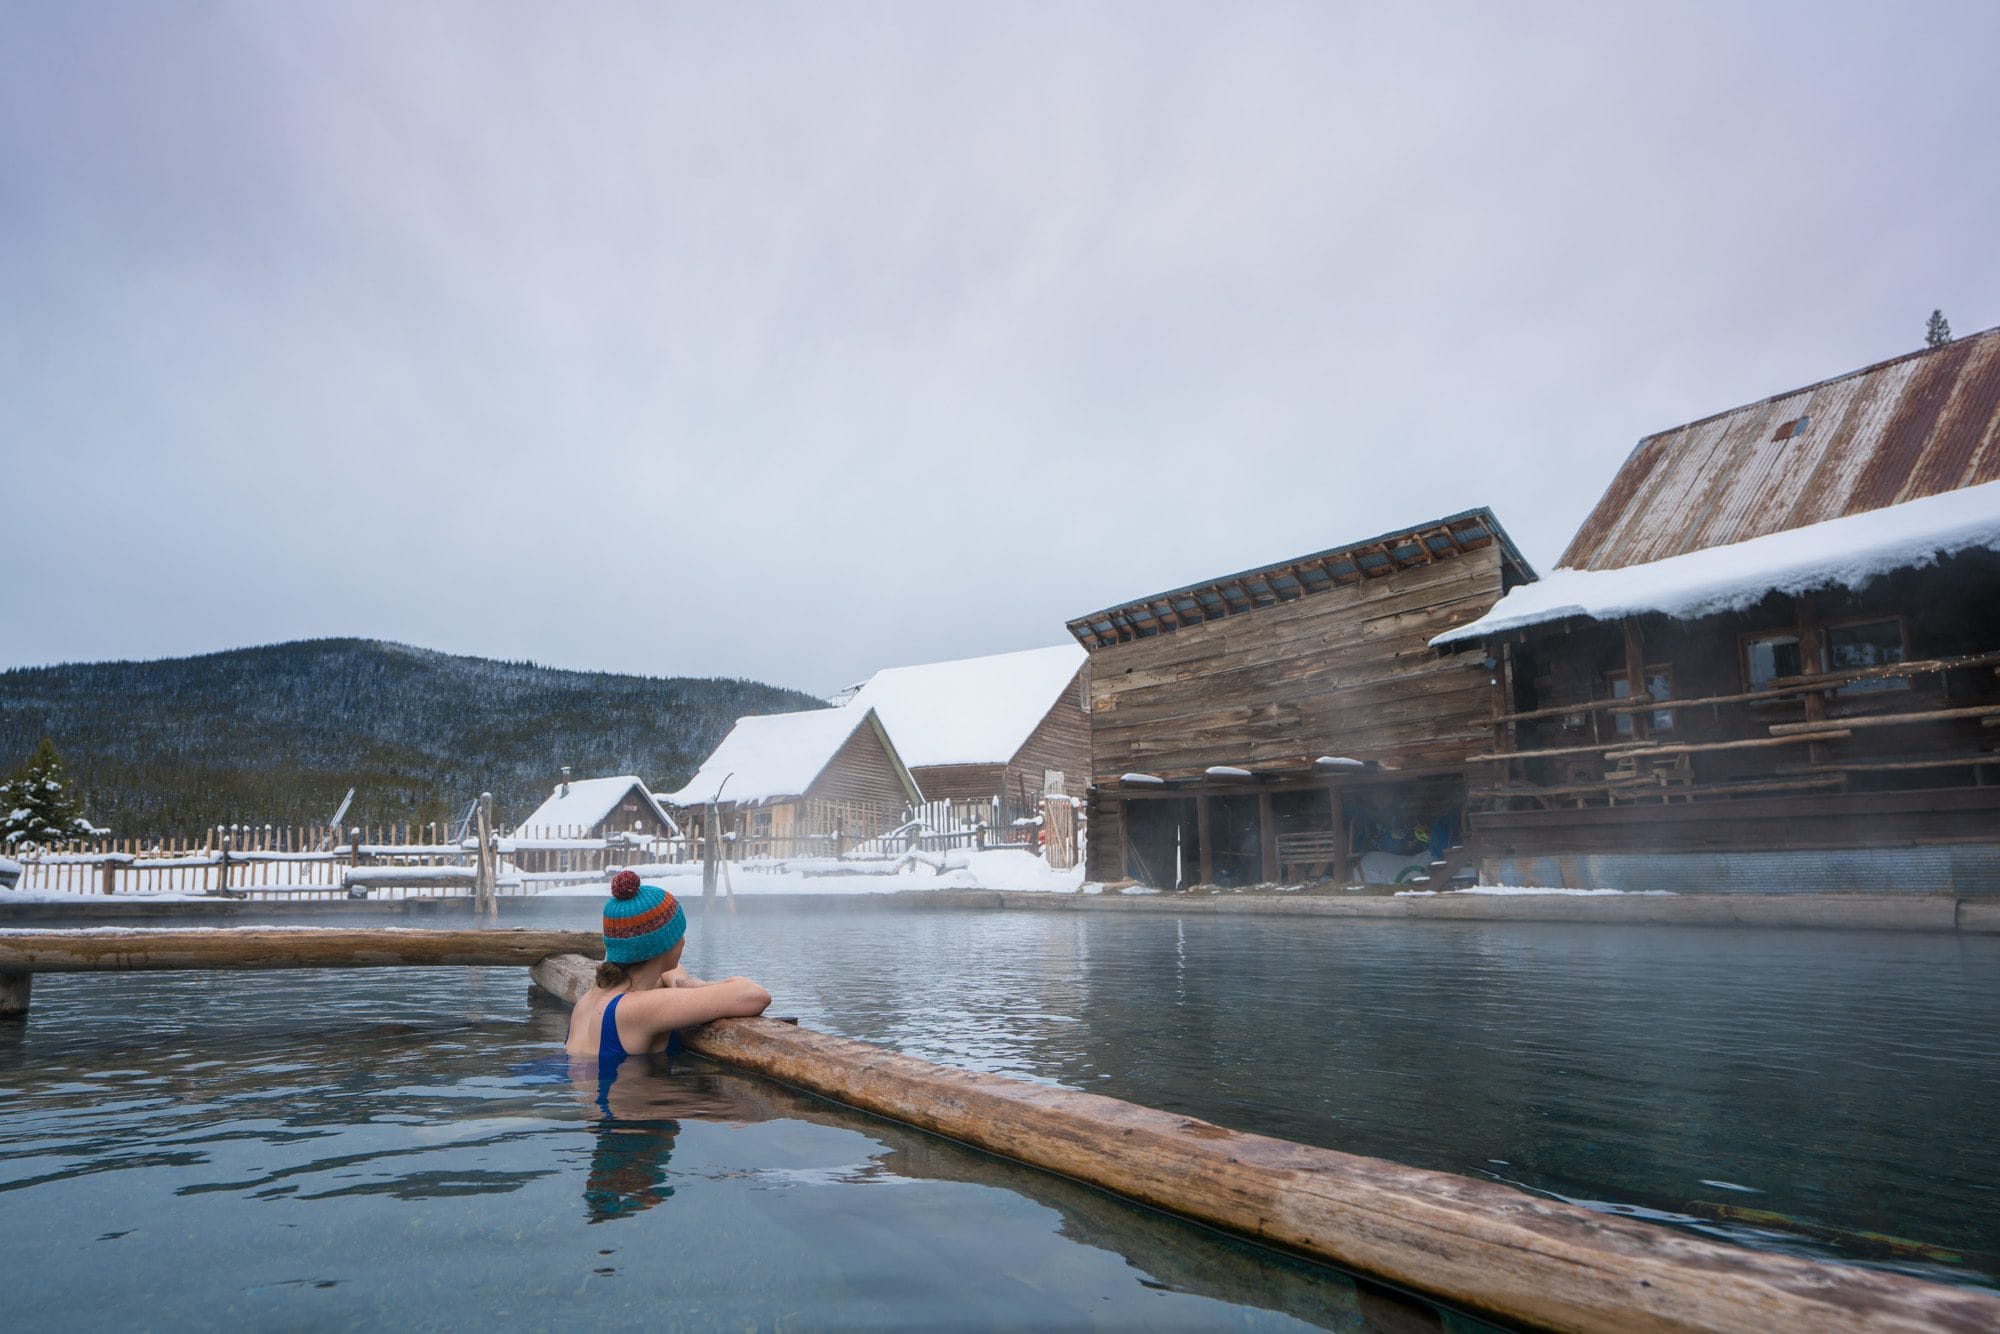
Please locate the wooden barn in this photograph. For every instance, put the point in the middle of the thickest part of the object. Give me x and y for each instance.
(1767, 660)
(584, 810)
(992, 731)
(790, 784)
(1290, 722)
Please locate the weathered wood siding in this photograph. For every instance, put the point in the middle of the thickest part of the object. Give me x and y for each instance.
(960, 782)
(1348, 671)
(1104, 856)
(1060, 741)
(861, 773)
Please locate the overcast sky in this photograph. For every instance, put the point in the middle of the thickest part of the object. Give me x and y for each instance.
(790, 342)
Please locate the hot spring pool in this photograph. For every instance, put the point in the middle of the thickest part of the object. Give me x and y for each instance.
(407, 1149)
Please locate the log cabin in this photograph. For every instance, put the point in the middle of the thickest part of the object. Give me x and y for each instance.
(990, 734)
(792, 784)
(1290, 722)
(585, 810)
(1767, 661)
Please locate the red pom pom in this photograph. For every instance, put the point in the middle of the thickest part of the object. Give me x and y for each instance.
(625, 885)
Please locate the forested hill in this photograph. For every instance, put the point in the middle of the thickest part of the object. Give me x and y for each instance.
(278, 734)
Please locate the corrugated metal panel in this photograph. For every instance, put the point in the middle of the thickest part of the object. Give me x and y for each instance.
(1917, 426)
(1961, 868)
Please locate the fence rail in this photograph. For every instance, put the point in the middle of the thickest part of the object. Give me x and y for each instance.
(267, 862)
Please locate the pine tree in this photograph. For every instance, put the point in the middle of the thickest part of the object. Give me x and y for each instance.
(36, 805)
(1938, 332)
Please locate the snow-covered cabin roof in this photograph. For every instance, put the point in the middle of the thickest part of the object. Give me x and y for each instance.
(588, 801)
(973, 710)
(1845, 552)
(1920, 425)
(774, 756)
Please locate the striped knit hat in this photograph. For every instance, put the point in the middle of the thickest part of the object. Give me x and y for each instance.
(640, 921)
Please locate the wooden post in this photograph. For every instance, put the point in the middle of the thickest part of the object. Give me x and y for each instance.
(14, 989)
(1635, 678)
(1338, 826)
(222, 867)
(1206, 848)
(1267, 839)
(1811, 662)
(709, 853)
(485, 893)
(108, 872)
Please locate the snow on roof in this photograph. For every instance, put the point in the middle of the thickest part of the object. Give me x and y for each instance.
(1844, 552)
(588, 801)
(772, 756)
(973, 710)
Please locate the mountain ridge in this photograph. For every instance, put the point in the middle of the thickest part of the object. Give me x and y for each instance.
(276, 733)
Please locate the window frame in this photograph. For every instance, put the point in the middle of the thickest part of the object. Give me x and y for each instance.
(1621, 723)
(1880, 684)
(1749, 637)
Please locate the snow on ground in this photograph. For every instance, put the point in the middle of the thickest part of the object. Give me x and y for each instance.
(999, 868)
(1536, 889)
(1846, 553)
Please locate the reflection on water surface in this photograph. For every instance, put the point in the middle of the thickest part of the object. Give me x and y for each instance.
(410, 1148)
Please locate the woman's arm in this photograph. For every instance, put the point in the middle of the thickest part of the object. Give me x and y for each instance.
(683, 1005)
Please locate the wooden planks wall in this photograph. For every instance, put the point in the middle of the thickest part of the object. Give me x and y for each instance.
(861, 771)
(1060, 741)
(1347, 672)
(959, 782)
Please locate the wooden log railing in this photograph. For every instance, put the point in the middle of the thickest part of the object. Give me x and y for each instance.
(253, 947)
(1484, 1246)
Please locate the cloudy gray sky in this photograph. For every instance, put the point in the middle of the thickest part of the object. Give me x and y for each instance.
(793, 341)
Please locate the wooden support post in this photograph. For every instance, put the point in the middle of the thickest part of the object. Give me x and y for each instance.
(1635, 677)
(1338, 826)
(108, 872)
(1811, 660)
(486, 889)
(1267, 839)
(14, 989)
(1207, 844)
(709, 853)
(1488, 1247)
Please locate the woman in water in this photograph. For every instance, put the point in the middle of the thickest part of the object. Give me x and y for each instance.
(642, 994)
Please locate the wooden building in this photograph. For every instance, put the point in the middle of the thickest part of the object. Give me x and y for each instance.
(1290, 722)
(791, 784)
(1767, 660)
(989, 733)
(585, 810)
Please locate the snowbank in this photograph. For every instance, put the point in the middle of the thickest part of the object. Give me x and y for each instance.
(999, 868)
(1841, 553)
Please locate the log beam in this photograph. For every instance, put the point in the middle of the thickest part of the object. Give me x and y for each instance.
(279, 947)
(14, 993)
(1478, 1244)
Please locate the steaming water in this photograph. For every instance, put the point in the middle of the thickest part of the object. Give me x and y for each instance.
(407, 1149)
(354, 1148)
(1790, 1090)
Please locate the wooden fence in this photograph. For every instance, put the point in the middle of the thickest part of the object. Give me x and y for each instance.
(270, 862)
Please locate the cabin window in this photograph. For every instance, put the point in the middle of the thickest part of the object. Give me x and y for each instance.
(1659, 684)
(1863, 644)
(1767, 658)
(760, 824)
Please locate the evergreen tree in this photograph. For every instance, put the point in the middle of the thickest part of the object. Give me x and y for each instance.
(1938, 332)
(36, 805)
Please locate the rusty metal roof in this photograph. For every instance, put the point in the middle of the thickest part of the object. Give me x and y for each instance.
(1919, 425)
(1289, 580)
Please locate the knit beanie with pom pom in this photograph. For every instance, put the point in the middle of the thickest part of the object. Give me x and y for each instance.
(640, 921)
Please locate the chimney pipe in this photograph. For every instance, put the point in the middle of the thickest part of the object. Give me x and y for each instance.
(565, 782)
